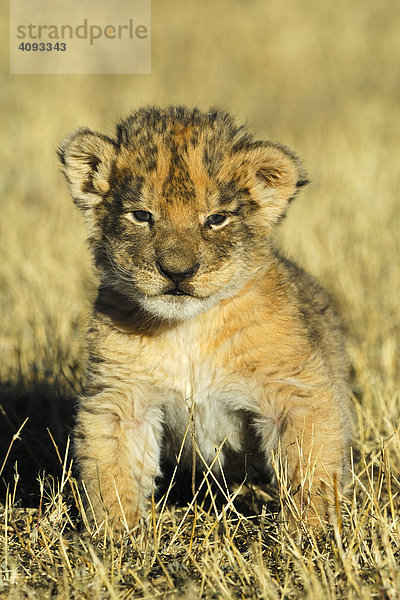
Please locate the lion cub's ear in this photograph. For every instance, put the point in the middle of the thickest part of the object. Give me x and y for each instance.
(277, 175)
(87, 159)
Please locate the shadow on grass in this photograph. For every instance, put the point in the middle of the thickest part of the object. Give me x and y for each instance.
(253, 491)
(39, 411)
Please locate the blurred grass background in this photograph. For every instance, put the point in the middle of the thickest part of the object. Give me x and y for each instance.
(320, 77)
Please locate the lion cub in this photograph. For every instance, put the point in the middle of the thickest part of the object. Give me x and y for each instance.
(198, 318)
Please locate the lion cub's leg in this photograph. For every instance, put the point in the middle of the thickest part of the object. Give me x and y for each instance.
(118, 456)
(308, 451)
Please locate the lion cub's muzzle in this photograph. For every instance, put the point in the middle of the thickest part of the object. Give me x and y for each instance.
(178, 278)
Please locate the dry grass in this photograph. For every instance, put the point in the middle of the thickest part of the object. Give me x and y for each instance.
(320, 77)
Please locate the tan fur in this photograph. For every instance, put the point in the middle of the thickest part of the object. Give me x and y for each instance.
(254, 349)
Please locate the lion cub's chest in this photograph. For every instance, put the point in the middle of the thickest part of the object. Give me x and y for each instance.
(200, 396)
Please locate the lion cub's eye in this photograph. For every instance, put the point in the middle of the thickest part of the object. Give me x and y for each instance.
(215, 220)
(140, 216)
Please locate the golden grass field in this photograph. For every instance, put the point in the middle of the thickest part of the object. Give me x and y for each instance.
(320, 77)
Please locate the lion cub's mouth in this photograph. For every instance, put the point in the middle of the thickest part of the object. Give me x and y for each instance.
(176, 292)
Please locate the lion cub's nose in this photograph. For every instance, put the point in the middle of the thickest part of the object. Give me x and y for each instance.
(177, 276)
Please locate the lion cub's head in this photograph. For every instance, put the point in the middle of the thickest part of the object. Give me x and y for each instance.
(180, 206)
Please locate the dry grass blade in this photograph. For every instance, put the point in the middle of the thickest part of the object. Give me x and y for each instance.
(15, 437)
